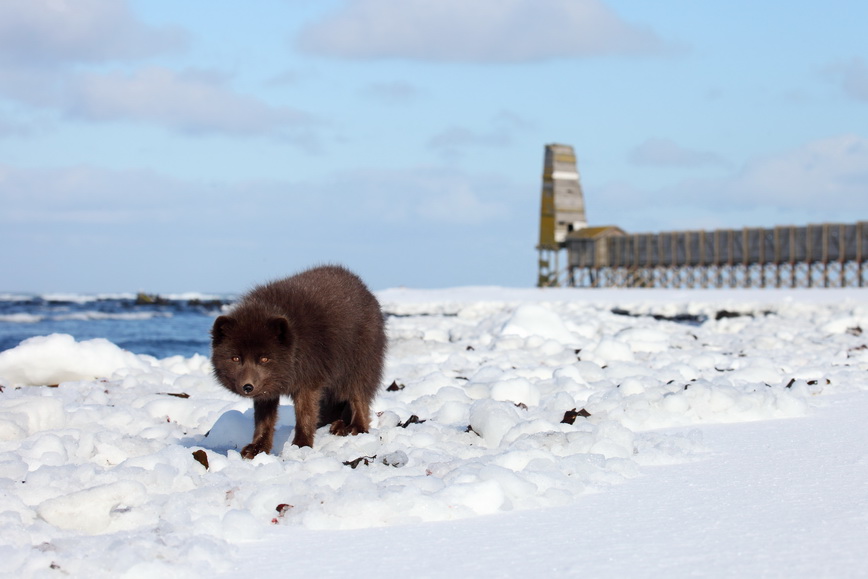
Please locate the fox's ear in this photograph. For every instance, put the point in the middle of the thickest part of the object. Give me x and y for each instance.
(279, 328)
(222, 327)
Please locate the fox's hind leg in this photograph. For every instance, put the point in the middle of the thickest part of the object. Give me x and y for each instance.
(331, 411)
(356, 419)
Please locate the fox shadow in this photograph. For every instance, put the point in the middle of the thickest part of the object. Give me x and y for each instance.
(234, 430)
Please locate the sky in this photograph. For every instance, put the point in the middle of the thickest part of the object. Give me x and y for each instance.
(152, 145)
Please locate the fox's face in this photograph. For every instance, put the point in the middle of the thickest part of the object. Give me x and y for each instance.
(245, 374)
(246, 357)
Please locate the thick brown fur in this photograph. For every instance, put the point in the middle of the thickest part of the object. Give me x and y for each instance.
(317, 337)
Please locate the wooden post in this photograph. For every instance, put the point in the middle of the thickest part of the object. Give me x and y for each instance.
(860, 239)
(842, 250)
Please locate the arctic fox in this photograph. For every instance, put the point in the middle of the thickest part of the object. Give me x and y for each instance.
(317, 337)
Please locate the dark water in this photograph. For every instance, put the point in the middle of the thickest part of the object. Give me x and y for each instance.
(156, 326)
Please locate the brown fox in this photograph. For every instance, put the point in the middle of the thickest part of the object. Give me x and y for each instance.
(317, 337)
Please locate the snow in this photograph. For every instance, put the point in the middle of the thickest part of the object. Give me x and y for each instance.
(527, 432)
(59, 358)
(772, 499)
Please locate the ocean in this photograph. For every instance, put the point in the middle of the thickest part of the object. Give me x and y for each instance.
(140, 323)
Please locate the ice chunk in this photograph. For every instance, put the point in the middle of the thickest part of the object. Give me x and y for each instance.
(535, 320)
(92, 510)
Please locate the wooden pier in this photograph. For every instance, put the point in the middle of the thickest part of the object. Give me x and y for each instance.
(824, 255)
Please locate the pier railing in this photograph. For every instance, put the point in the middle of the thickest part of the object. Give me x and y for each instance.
(823, 255)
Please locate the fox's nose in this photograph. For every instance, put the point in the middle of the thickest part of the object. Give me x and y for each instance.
(248, 388)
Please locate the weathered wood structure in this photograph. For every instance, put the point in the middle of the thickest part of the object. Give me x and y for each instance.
(824, 255)
(562, 209)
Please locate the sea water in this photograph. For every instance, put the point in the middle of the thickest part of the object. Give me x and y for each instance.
(142, 324)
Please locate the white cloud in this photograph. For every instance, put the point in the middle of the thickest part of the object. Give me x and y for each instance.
(821, 181)
(460, 203)
(827, 174)
(85, 227)
(191, 101)
(665, 152)
(432, 195)
(47, 45)
(476, 31)
(130, 228)
(85, 195)
(53, 32)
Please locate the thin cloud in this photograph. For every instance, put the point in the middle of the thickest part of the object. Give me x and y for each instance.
(851, 76)
(512, 121)
(87, 195)
(821, 181)
(461, 203)
(432, 195)
(479, 31)
(57, 32)
(393, 93)
(454, 141)
(668, 153)
(825, 175)
(191, 101)
(286, 78)
(14, 128)
(194, 102)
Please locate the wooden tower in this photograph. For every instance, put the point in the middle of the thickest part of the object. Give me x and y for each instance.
(562, 209)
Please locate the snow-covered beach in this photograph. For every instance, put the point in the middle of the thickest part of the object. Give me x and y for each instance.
(547, 432)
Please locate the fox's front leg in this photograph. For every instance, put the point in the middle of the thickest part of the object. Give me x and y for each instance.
(264, 418)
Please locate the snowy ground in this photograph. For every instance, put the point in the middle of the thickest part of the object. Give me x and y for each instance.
(712, 433)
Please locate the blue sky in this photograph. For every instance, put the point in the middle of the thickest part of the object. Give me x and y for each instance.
(208, 145)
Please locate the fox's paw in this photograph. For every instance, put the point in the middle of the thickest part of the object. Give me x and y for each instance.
(253, 449)
(341, 428)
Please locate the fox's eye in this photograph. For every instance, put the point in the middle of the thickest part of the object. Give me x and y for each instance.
(264, 359)
(236, 359)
